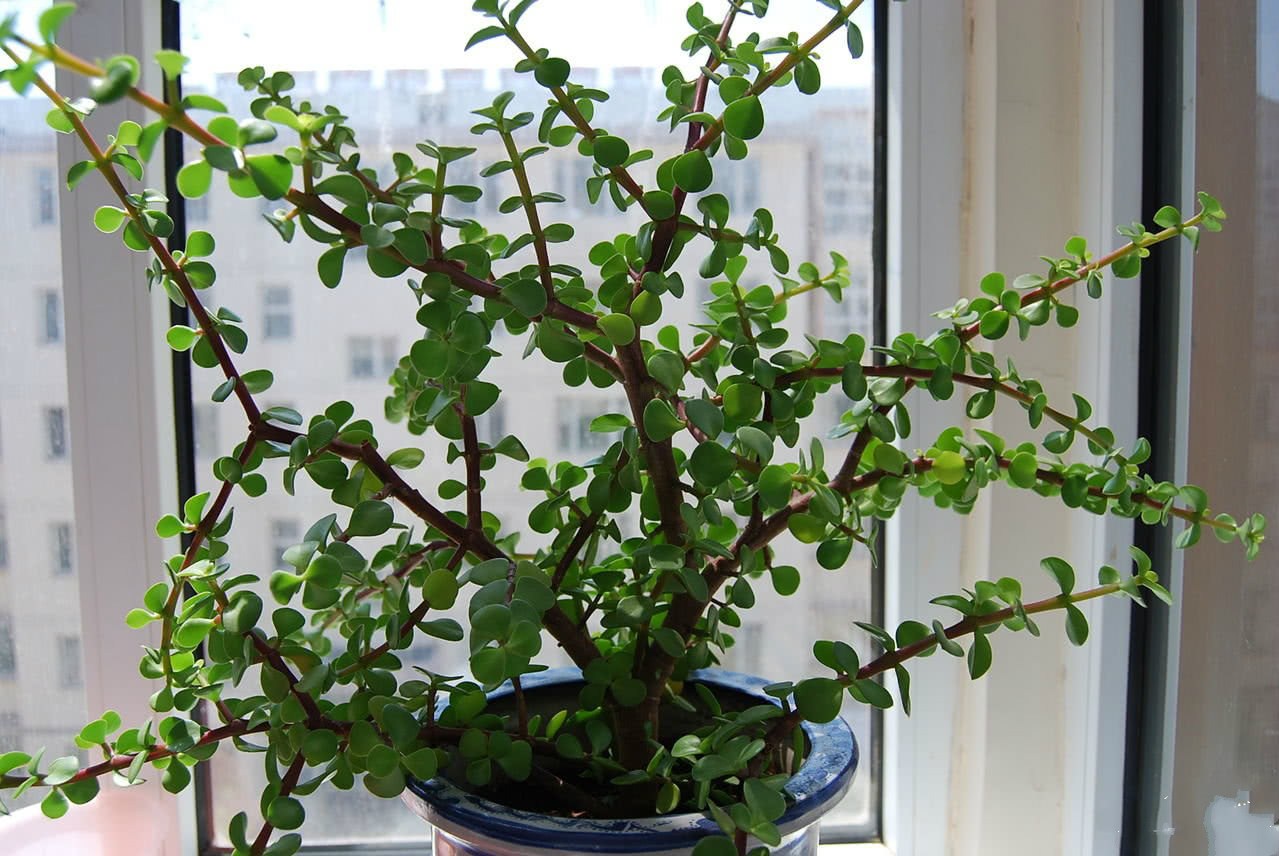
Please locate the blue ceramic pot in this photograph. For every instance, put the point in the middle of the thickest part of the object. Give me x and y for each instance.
(466, 825)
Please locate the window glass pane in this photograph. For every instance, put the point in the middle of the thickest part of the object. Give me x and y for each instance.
(819, 187)
(41, 685)
(1225, 781)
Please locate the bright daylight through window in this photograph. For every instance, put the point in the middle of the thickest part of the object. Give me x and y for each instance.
(820, 188)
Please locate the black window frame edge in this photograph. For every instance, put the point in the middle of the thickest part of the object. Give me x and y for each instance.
(1151, 631)
(184, 422)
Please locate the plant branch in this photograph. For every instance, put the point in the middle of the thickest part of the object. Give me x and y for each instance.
(202, 530)
(664, 234)
(570, 109)
(530, 214)
(658, 454)
(474, 478)
(287, 784)
(891, 659)
(975, 381)
(320, 210)
(576, 642)
(117, 763)
(966, 334)
(838, 20)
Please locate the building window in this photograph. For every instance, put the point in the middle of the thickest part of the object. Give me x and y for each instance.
(491, 201)
(55, 433)
(739, 182)
(46, 211)
(390, 352)
(204, 428)
(8, 650)
(359, 357)
(277, 312)
(575, 416)
(50, 317)
(284, 534)
(571, 173)
(847, 199)
(461, 173)
(70, 668)
(61, 548)
(490, 426)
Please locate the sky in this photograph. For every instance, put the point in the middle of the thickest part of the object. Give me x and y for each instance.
(377, 34)
(299, 35)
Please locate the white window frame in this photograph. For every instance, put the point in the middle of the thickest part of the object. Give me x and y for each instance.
(931, 153)
(122, 443)
(122, 462)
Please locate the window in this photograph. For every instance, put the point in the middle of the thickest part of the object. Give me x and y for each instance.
(574, 415)
(397, 106)
(204, 428)
(740, 183)
(61, 548)
(46, 197)
(359, 358)
(8, 649)
(284, 534)
(571, 173)
(464, 172)
(35, 477)
(491, 201)
(70, 670)
(1220, 793)
(846, 172)
(55, 433)
(390, 353)
(50, 317)
(277, 312)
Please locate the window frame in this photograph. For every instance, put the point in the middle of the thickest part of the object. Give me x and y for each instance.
(120, 452)
(929, 69)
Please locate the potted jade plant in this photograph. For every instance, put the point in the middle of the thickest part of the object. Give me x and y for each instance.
(642, 746)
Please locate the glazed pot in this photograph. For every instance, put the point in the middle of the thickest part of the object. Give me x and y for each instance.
(464, 824)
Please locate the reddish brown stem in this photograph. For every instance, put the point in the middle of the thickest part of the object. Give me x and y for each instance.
(969, 624)
(117, 763)
(315, 719)
(287, 784)
(474, 477)
(658, 454)
(320, 210)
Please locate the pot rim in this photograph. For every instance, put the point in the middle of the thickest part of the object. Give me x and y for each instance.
(819, 784)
